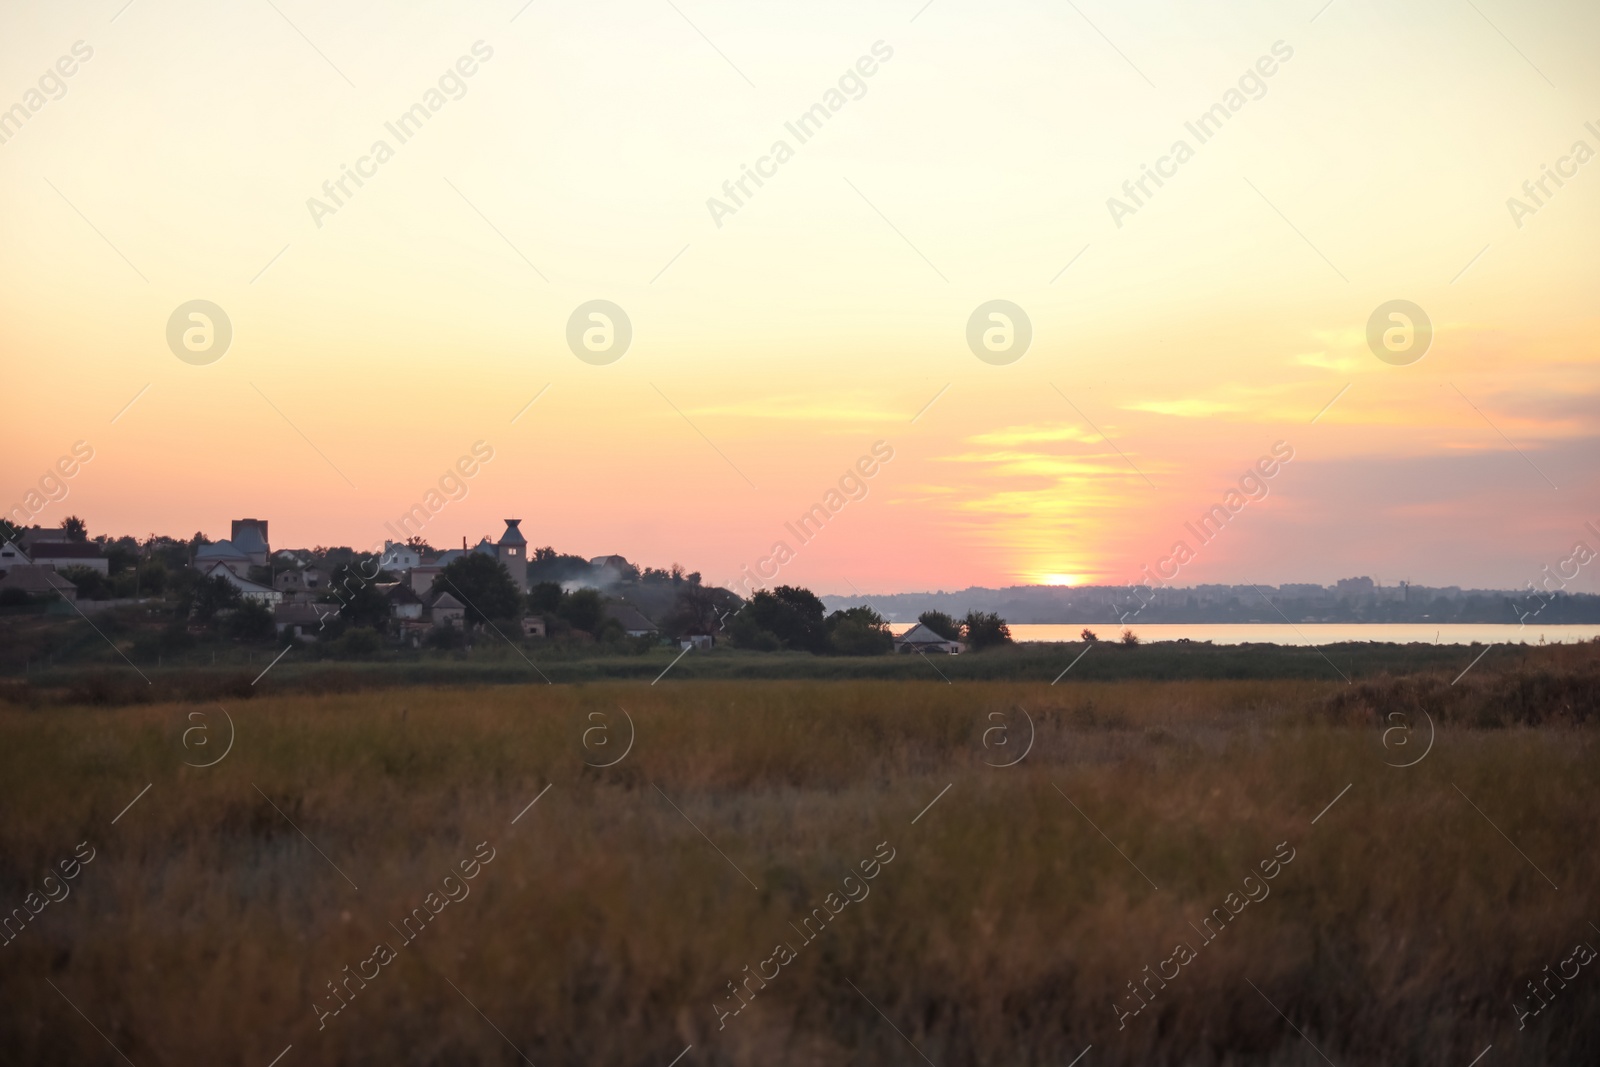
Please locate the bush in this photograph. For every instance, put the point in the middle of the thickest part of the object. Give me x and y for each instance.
(355, 642)
(1130, 638)
(445, 638)
(859, 631)
(985, 629)
(14, 598)
(583, 610)
(252, 621)
(92, 585)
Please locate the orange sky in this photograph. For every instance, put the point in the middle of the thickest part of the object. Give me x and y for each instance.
(373, 345)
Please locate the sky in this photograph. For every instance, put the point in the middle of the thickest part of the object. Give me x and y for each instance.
(558, 154)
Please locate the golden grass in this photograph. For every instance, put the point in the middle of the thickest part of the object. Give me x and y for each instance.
(608, 926)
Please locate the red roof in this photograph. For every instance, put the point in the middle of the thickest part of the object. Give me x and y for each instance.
(63, 550)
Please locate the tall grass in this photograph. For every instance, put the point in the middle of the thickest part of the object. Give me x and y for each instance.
(617, 908)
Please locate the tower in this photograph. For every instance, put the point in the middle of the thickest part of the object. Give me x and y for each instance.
(512, 551)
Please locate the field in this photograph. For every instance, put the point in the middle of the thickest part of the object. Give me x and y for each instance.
(1333, 906)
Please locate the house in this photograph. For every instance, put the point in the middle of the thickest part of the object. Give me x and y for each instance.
(634, 624)
(38, 581)
(512, 551)
(250, 537)
(64, 554)
(247, 589)
(422, 578)
(404, 603)
(704, 642)
(224, 553)
(532, 626)
(301, 620)
(11, 555)
(398, 558)
(36, 535)
(609, 570)
(445, 610)
(921, 639)
(298, 582)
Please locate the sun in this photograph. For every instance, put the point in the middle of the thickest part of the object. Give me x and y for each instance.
(1060, 579)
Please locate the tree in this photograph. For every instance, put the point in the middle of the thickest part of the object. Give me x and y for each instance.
(360, 604)
(482, 584)
(1089, 635)
(584, 610)
(9, 531)
(985, 629)
(859, 631)
(76, 529)
(545, 596)
(792, 615)
(252, 621)
(1130, 638)
(699, 610)
(211, 595)
(92, 585)
(419, 545)
(941, 624)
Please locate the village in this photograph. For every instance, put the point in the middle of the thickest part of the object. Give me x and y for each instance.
(415, 596)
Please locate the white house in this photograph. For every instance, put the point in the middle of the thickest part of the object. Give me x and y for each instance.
(633, 621)
(64, 554)
(12, 556)
(398, 557)
(921, 639)
(224, 553)
(247, 589)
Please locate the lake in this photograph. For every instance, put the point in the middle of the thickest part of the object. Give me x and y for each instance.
(1315, 633)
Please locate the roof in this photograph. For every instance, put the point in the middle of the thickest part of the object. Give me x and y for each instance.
(57, 550)
(402, 593)
(35, 534)
(513, 536)
(250, 535)
(921, 635)
(629, 616)
(299, 614)
(34, 579)
(220, 550)
(443, 599)
(611, 561)
(244, 585)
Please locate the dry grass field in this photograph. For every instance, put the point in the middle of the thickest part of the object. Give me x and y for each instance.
(637, 910)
